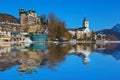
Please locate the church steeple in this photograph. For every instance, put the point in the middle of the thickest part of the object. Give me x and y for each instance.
(85, 22)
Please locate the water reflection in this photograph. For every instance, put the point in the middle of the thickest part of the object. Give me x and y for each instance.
(31, 56)
(110, 49)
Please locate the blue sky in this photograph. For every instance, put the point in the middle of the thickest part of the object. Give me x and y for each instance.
(100, 13)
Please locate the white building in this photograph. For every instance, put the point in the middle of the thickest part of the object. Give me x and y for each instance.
(82, 32)
(6, 33)
(72, 32)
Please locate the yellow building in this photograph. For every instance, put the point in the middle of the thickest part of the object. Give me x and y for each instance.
(28, 17)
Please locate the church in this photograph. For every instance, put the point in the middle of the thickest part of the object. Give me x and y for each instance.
(84, 31)
(81, 32)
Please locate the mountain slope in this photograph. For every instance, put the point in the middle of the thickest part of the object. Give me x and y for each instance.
(110, 32)
(112, 49)
(116, 28)
(8, 17)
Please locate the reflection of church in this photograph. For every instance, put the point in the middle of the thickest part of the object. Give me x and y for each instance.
(82, 50)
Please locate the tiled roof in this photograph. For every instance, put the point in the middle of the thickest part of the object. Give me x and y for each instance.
(72, 29)
(81, 29)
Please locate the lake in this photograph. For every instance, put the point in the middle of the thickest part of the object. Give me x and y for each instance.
(46, 61)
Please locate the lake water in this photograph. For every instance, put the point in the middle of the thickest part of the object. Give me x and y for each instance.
(43, 61)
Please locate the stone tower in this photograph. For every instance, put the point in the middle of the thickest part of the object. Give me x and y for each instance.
(85, 22)
(28, 17)
(23, 17)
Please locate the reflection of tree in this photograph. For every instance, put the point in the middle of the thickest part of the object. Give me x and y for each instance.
(7, 60)
(57, 54)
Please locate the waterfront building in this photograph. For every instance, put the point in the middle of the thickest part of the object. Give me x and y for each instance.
(28, 17)
(5, 35)
(81, 32)
(38, 37)
(72, 33)
(84, 31)
(31, 24)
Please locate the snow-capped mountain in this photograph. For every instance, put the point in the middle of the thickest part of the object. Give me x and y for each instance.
(114, 31)
(116, 28)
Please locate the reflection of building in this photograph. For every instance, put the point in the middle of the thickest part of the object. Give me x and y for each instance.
(27, 60)
(85, 52)
(112, 49)
(41, 46)
(5, 49)
(82, 50)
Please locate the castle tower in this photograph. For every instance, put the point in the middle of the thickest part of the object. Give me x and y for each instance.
(31, 17)
(23, 16)
(27, 17)
(85, 22)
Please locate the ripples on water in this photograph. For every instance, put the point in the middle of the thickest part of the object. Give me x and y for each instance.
(50, 61)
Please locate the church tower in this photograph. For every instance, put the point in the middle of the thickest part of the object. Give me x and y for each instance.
(85, 23)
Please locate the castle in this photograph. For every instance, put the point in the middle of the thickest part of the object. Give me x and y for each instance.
(28, 17)
(31, 22)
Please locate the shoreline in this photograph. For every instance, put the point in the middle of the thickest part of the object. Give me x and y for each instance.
(55, 42)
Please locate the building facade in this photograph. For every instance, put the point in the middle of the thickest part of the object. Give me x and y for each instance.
(82, 32)
(28, 17)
